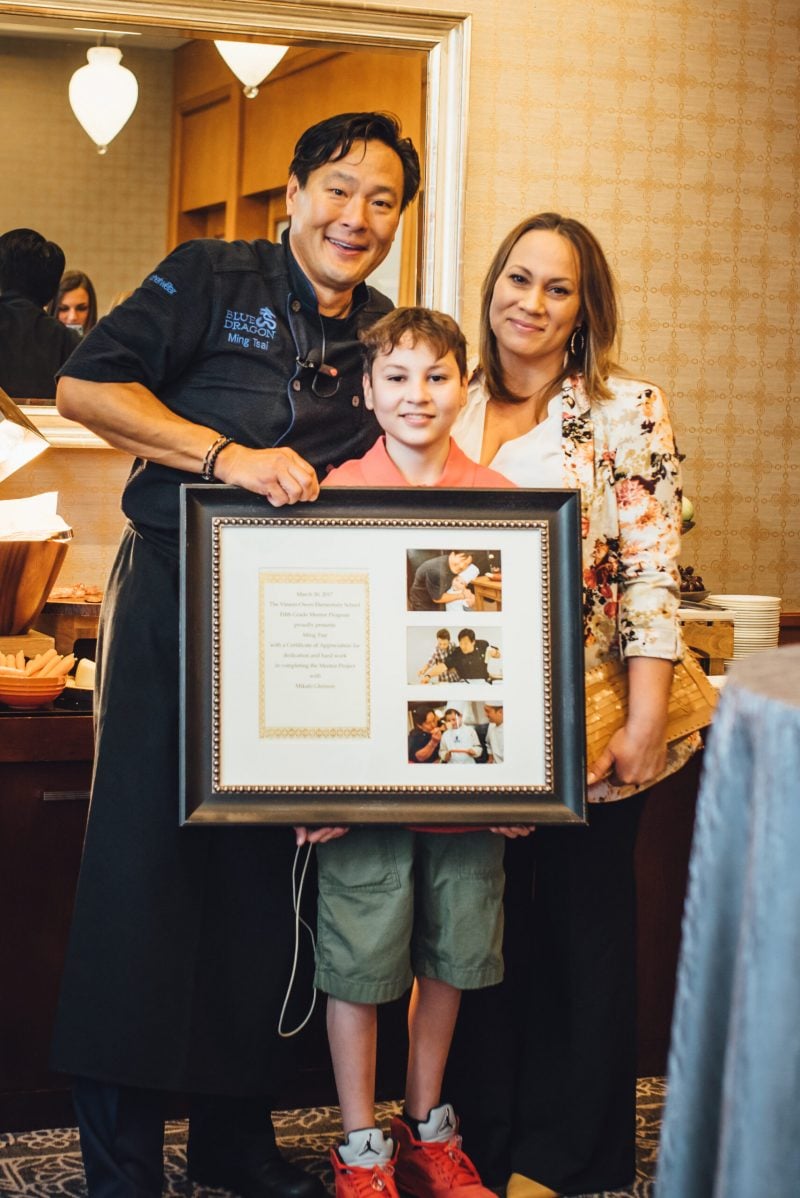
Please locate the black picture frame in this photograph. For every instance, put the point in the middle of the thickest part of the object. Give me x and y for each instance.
(231, 541)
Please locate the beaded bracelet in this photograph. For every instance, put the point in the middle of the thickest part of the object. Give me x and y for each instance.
(212, 453)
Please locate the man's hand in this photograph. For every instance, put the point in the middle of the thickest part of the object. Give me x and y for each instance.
(280, 475)
(304, 835)
(511, 832)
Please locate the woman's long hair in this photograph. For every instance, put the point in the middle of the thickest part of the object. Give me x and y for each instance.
(594, 358)
(70, 281)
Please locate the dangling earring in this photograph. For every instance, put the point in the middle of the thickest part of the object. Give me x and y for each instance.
(577, 343)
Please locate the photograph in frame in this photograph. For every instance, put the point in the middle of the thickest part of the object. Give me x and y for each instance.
(304, 659)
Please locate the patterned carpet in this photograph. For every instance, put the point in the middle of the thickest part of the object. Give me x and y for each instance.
(45, 1164)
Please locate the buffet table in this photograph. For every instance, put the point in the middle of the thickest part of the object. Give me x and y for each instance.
(732, 1119)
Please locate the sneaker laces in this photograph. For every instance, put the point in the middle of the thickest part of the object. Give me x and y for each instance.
(450, 1162)
(363, 1180)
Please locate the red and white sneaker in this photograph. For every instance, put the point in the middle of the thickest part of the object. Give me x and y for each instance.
(435, 1165)
(364, 1164)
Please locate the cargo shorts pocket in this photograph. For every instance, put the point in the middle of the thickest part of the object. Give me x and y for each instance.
(365, 860)
(479, 855)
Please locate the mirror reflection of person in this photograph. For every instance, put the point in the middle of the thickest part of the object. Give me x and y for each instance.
(75, 302)
(33, 346)
(236, 362)
(549, 407)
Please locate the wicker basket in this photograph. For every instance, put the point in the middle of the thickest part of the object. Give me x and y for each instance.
(691, 702)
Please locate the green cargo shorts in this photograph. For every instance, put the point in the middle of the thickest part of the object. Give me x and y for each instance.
(396, 904)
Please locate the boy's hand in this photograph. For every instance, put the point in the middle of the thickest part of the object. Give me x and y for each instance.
(515, 830)
(304, 835)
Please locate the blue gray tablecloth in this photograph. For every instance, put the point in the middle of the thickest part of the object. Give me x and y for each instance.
(732, 1119)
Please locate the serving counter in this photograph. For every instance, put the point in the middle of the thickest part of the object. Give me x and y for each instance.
(45, 771)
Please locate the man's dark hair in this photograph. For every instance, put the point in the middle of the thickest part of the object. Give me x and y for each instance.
(466, 632)
(30, 265)
(332, 139)
(420, 713)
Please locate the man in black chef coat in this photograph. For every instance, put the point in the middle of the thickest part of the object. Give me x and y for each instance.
(237, 362)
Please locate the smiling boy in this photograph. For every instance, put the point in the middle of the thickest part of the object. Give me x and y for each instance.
(415, 381)
(396, 904)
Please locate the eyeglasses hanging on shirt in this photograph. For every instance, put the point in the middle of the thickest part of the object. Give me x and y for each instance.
(325, 382)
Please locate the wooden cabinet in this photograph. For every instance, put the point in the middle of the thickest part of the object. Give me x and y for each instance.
(231, 154)
(45, 769)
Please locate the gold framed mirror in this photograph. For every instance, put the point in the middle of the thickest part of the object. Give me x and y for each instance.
(443, 38)
(432, 251)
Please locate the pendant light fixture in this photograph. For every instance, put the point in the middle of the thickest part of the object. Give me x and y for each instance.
(251, 62)
(103, 95)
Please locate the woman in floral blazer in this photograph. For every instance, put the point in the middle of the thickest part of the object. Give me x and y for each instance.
(550, 1093)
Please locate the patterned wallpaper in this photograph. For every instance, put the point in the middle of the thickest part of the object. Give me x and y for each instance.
(108, 213)
(670, 128)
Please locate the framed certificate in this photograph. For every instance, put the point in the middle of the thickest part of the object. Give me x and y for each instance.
(393, 656)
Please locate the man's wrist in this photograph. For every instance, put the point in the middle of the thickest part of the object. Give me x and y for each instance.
(224, 461)
(208, 469)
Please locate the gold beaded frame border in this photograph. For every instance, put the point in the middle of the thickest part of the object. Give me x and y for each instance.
(219, 523)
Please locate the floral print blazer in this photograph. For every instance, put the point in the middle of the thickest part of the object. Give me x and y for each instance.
(621, 455)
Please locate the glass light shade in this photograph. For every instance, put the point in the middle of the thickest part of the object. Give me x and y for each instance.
(103, 94)
(251, 62)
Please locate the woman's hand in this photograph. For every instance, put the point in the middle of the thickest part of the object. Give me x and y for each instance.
(637, 752)
(630, 757)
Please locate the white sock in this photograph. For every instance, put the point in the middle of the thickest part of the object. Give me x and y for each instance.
(366, 1147)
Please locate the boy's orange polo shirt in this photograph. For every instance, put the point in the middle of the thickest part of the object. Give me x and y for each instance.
(376, 469)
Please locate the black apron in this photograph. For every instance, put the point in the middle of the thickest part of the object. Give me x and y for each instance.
(181, 942)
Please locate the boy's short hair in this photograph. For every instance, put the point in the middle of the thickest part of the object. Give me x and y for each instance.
(466, 632)
(443, 634)
(453, 711)
(436, 329)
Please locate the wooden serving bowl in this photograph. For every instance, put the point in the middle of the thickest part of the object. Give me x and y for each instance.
(22, 692)
(28, 570)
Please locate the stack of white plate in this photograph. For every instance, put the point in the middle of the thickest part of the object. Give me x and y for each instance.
(756, 621)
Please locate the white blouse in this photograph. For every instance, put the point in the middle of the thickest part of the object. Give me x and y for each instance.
(532, 460)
